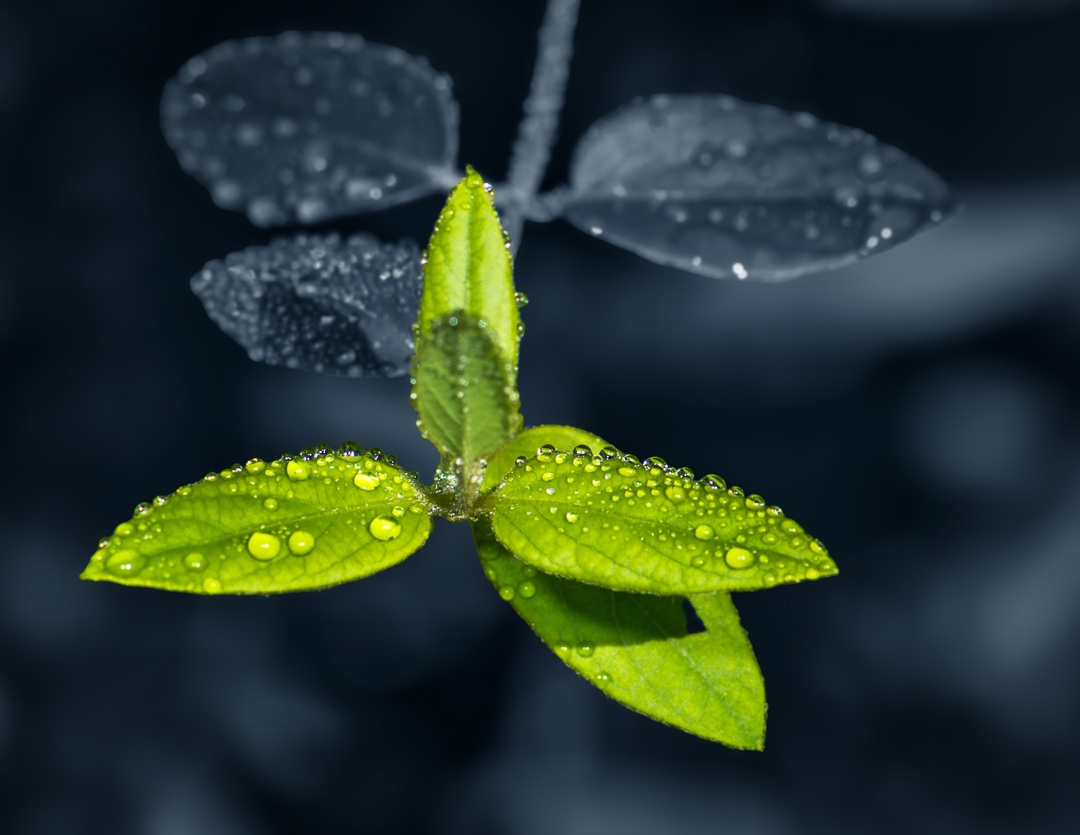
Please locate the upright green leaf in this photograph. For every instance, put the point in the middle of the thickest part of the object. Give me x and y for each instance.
(620, 524)
(463, 395)
(297, 523)
(467, 267)
(636, 649)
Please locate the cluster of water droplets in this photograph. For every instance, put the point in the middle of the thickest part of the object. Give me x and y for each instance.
(727, 189)
(142, 547)
(304, 127)
(702, 523)
(319, 303)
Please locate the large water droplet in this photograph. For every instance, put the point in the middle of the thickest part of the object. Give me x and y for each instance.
(211, 585)
(301, 542)
(297, 470)
(365, 481)
(263, 546)
(527, 589)
(195, 561)
(585, 649)
(705, 532)
(738, 558)
(385, 528)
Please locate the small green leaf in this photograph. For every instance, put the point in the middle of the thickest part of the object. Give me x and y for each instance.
(635, 647)
(620, 524)
(467, 267)
(463, 395)
(293, 524)
(528, 442)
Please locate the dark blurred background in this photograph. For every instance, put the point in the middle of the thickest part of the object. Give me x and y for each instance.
(917, 411)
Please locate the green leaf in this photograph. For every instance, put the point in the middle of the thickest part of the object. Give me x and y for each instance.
(296, 523)
(528, 442)
(463, 395)
(467, 267)
(620, 524)
(635, 647)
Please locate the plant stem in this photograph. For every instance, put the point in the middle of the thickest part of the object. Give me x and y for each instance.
(536, 133)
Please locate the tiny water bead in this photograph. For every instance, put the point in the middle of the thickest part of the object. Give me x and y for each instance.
(506, 592)
(195, 561)
(738, 558)
(263, 546)
(211, 586)
(385, 528)
(270, 504)
(571, 517)
(585, 649)
(365, 481)
(527, 589)
(301, 542)
(125, 563)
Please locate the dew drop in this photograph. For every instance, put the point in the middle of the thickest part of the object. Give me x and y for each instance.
(195, 561)
(585, 649)
(297, 470)
(301, 542)
(526, 589)
(705, 532)
(507, 592)
(124, 529)
(211, 586)
(270, 504)
(755, 501)
(548, 476)
(125, 563)
(626, 471)
(385, 528)
(263, 546)
(255, 466)
(365, 481)
(571, 517)
(738, 558)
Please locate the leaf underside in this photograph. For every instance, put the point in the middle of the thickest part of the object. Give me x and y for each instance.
(468, 267)
(288, 525)
(635, 647)
(462, 394)
(308, 126)
(729, 189)
(318, 303)
(624, 525)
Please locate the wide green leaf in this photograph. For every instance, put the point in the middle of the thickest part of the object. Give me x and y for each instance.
(526, 445)
(307, 522)
(467, 267)
(618, 523)
(636, 649)
(462, 392)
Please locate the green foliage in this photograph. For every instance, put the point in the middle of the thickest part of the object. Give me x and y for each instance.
(293, 524)
(467, 267)
(623, 525)
(463, 394)
(594, 549)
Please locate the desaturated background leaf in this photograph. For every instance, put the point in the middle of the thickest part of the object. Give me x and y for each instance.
(318, 303)
(916, 410)
(727, 189)
(308, 126)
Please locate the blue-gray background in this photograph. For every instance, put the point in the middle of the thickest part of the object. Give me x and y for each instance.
(917, 411)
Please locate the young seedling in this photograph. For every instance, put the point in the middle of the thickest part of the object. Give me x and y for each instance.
(595, 549)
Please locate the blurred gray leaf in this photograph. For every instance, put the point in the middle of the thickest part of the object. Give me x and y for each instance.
(720, 187)
(318, 303)
(308, 126)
